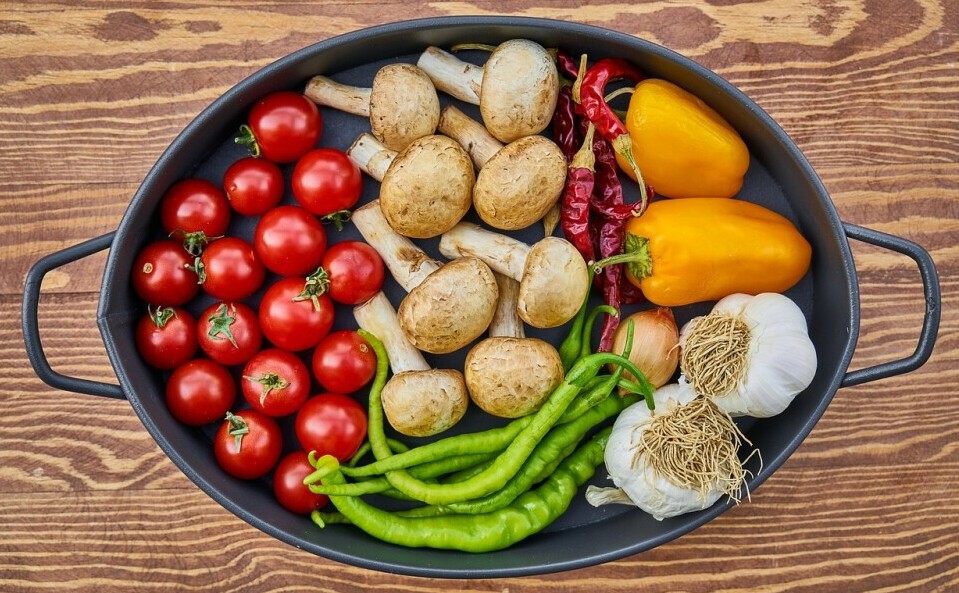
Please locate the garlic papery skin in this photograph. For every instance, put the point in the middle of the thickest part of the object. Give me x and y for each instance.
(778, 362)
(635, 479)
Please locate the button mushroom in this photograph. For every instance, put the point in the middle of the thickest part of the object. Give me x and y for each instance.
(516, 89)
(417, 400)
(425, 189)
(447, 306)
(508, 374)
(402, 104)
(552, 274)
(518, 183)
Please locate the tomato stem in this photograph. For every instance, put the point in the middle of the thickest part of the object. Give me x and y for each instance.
(238, 428)
(161, 315)
(248, 138)
(316, 284)
(220, 323)
(337, 219)
(269, 381)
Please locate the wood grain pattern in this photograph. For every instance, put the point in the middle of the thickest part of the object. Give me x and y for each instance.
(91, 95)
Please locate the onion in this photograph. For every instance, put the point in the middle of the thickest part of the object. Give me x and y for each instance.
(655, 344)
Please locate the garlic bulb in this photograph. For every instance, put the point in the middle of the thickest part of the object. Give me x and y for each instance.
(680, 458)
(751, 354)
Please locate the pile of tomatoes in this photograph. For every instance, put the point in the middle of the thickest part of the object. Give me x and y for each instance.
(267, 335)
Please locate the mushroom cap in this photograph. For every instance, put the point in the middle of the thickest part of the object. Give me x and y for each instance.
(520, 183)
(452, 307)
(404, 105)
(428, 187)
(519, 91)
(512, 377)
(424, 403)
(554, 285)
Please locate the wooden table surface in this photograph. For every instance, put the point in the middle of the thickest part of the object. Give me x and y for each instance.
(92, 93)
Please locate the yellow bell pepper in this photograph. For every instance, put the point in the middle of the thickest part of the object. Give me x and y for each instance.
(692, 250)
(683, 148)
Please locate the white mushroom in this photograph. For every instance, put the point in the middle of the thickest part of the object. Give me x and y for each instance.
(425, 189)
(508, 374)
(402, 104)
(447, 306)
(417, 400)
(516, 89)
(518, 183)
(552, 273)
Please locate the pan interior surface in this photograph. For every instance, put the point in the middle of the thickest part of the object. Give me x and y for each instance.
(779, 178)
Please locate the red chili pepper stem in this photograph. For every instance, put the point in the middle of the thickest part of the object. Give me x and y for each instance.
(584, 157)
(578, 83)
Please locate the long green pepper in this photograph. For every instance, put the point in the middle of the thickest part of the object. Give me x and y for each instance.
(530, 513)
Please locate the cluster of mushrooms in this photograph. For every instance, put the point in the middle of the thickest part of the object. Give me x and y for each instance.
(435, 164)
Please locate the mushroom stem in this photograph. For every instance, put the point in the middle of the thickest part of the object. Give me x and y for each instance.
(552, 274)
(506, 320)
(378, 317)
(351, 99)
(371, 155)
(417, 400)
(503, 254)
(471, 135)
(452, 75)
(408, 264)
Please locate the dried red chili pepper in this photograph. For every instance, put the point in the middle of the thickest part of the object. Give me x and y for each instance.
(578, 194)
(592, 98)
(565, 132)
(566, 65)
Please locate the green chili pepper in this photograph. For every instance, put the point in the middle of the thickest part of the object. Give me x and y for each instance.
(571, 346)
(530, 513)
(554, 447)
(510, 460)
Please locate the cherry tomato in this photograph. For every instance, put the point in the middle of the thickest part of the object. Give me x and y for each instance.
(283, 126)
(344, 362)
(193, 206)
(162, 274)
(331, 424)
(355, 272)
(275, 382)
(166, 337)
(229, 333)
(292, 319)
(230, 269)
(200, 391)
(248, 444)
(325, 181)
(288, 486)
(289, 241)
(253, 185)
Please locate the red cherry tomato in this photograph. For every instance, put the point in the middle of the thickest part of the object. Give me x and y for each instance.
(195, 206)
(344, 362)
(166, 337)
(283, 126)
(200, 391)
(331, 424)
(325, 181)
(162, 274)
(253, 185)
(230, 269)
(289, 241)
(275, 382)
(355, 272)
(229, 333)
(293, 320)
(248, 444)
(288, 486)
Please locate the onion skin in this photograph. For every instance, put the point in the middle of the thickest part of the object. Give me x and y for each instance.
(655, 344)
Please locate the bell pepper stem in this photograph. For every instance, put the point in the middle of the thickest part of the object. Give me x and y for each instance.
(635, 255)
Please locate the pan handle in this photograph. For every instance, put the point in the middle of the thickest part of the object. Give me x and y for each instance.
(31, 327)
(930, 321)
